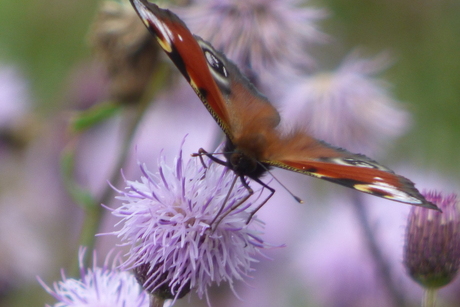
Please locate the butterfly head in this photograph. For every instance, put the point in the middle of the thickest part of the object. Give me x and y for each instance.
(242, 162)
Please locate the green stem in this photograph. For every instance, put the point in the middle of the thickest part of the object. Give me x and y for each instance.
(381, 263)
(429, 297)
(94, 212)
(156, 301)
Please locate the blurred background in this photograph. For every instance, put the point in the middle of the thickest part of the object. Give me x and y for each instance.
(48, 72)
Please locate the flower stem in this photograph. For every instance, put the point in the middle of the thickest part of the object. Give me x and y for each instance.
(94, 212)
(382, 265)
(429, 297)
(156, 301)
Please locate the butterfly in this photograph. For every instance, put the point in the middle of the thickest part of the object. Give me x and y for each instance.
(254, 142)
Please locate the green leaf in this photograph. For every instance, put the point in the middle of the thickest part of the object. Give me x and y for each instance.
(97, 114)
(81, 196)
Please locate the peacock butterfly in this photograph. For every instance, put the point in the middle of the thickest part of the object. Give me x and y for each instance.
(254, 140)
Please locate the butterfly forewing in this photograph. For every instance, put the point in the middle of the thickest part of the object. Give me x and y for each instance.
(176, 40)
(373, 181)
(301, 153)
(244, 103)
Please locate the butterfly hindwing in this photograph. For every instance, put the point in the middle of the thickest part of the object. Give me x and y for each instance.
(318, 159)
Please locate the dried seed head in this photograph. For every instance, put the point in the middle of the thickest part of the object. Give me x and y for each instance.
(126, 48)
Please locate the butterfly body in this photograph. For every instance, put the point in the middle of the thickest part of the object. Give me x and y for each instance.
(243, 163)
(255, 141)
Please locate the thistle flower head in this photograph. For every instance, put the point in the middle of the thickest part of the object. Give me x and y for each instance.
(167, 220)
(260, 36)
(348, 107)
(432, 249)
(98, 287)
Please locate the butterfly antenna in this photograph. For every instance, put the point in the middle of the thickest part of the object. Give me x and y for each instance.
(298, 199)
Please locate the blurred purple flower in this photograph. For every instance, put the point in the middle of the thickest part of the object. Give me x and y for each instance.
(432, 249)
(167, 220)
(24, 249)
(334, 263)
(97, 287)
(17, 124)
(261, 36)
(14, 96)
(347, 108)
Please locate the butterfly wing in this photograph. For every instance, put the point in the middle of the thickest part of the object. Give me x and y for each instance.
(301, 153)
(176, 40)
(225, 92)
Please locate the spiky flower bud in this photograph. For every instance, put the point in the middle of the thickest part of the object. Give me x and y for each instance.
(432, 249)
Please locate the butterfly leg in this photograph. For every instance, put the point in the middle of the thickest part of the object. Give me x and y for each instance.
(272, 191)
(220, 217)
(250, 192)
(202, 152)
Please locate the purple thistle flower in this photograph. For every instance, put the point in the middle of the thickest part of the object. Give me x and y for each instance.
(169, 222)
(432, 249)
(98, 287)
(347, 108)
(260, 36)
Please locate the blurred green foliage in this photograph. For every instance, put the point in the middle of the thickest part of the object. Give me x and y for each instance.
(45, 38)
(424, 38)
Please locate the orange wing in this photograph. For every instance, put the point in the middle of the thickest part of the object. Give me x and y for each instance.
(176, 40)
(301, 153)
